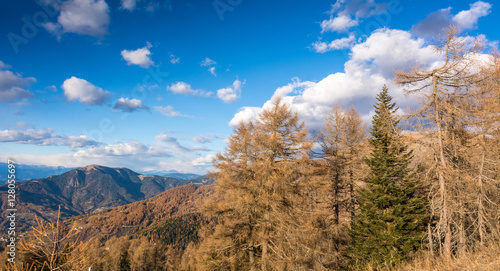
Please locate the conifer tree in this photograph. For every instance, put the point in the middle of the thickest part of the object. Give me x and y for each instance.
(124, 261)
(392, 217)
(262, 202)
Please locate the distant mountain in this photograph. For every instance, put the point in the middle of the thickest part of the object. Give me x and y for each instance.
(82, 191)
(30, 172)
(182, 176)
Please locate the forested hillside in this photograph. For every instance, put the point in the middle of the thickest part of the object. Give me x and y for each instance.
(84, 190)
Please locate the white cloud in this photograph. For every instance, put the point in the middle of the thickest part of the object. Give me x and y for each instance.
(203, 161)
(186, 89)
(467, 19)
(145, 5)
(129, 105)
(84, 17)
(341, 23)
(44, 137)
(244, 114)
(208, 62)
(437, 21)
(211, 64)
(345, 15)
(212, 71)
(169, 111)
(140, 57)
(131, 148)
(165, 138)
(173, 59)
(12, 85)
(128, 4)
(84, 91)
(338, 44)
(4, 66)
(132, 154)
(230, 94)
(370, 66)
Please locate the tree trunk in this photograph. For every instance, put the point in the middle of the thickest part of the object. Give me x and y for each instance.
(441, 168)
(265, 242)
(351, 195)
(250, 257)
(431, 244)
(481, 194)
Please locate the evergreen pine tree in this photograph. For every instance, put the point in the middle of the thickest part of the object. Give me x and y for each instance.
(125, 261)
(392, 216)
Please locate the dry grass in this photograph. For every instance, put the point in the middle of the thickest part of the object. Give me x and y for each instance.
(487, 259)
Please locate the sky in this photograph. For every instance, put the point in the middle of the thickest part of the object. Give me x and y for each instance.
(158, 85)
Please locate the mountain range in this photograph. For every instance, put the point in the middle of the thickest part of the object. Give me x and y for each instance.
(83, 191)
(31, 172)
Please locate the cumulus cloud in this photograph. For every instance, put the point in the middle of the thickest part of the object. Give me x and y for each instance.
(169, 111)
(370, 66)
(84, 17)
(245, 114)
(437, 21)
(186, 89)
(12, 85)
(131, 148)
(230, 94)
(140, 57)
(467, 19)
(341, 23)
(129, 105)
(345, 15)
(84, 91)
(44, 137)
(338, 44)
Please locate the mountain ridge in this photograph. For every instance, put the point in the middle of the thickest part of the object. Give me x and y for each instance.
(83, 190)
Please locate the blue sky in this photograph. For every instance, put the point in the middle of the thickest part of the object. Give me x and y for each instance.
(159, 84)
